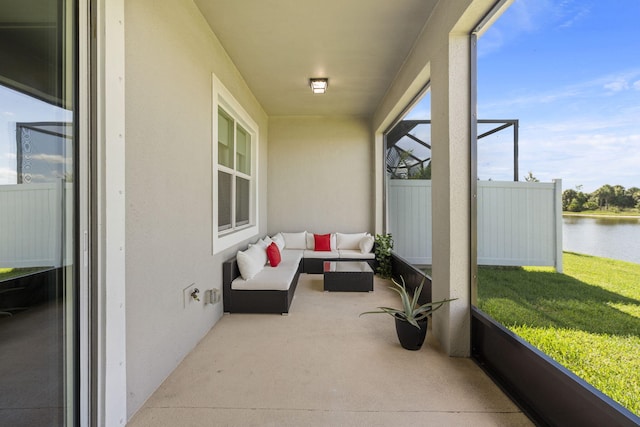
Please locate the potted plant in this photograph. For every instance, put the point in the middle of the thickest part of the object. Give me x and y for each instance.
(382, 249)
(412, 319)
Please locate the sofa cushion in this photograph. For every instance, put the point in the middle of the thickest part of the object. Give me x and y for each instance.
(273, 254)
(292, 256)
(366, 244)
(322, 242)
(264, 243)
(251, 261)
(279, 241)
(269, 279)
(295, 240)
(349, 241)
(321, 254)
(355, 254)
(272, 278)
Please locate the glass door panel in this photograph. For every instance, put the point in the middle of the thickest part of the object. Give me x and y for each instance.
(38, 277)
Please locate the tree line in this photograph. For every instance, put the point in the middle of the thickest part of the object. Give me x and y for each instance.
(607, 197)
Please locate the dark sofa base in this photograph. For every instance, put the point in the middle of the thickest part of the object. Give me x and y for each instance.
(254, 301)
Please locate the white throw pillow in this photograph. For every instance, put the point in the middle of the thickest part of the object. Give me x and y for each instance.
(251, 261)
(264, 243)
(295, 240)
(349, 241)
(311, 241)
(279, 240)
(366, 244)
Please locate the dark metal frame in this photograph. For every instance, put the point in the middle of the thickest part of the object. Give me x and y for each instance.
(404, 128)
(546, 391)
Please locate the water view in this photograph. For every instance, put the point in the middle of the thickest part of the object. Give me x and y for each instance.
(617, 238)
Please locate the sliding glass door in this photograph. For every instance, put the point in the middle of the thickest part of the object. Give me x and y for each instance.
(39, 284)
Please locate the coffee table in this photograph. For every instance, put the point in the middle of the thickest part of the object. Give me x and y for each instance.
(348, 276)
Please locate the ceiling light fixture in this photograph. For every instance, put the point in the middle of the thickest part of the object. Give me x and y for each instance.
(319, 85)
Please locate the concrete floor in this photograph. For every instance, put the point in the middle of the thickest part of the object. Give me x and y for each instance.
(324, 366)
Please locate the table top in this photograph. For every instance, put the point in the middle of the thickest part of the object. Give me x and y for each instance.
(347, 267)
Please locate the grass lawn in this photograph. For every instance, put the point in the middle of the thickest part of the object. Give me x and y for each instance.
(10, 273)
(597, 212)
(587, 319)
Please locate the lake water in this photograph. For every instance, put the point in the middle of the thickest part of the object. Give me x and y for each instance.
(617, 238)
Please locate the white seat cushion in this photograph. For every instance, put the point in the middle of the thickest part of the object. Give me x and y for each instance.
(268, 279)
(321, 254)
(355, 254)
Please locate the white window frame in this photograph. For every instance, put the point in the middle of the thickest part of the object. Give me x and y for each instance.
(225, 239)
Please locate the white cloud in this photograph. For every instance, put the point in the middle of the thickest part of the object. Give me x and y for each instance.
(591, 90)
(530, 16)
(51, 158)
(617, 85)
(7, 176)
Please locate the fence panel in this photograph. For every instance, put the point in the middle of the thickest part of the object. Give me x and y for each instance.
(519, 223)
(30, 225)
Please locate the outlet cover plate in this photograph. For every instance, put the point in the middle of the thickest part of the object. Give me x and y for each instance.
(187, 301)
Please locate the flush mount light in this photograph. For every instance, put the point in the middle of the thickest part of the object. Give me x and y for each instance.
(319, 85)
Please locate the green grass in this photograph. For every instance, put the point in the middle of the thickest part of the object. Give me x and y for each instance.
(587, 319)
(10, 273)
(633, 212)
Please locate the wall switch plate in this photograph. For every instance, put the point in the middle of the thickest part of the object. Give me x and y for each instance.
(187, 299)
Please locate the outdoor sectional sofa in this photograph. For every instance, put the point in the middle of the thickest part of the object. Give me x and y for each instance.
(251, 285)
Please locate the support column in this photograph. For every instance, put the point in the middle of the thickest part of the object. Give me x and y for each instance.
(451, 153)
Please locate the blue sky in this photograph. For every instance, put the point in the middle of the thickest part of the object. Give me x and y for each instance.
(17, 107)
(570, 72)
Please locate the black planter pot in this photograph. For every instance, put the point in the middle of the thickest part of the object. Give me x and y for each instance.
(411, 337)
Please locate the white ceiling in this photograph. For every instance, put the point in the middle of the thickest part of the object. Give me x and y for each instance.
(278, 45)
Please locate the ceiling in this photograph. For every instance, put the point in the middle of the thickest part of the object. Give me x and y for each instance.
(277, 45)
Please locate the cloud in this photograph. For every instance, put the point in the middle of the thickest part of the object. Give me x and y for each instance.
(51, 158)
(590, 90)
(7, 176)
(573, 13)
(617, 86)
(532, 16)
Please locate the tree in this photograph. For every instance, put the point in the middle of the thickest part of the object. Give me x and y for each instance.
(422, 173)
(567, 197)
(575, 206)
(634, 193)
(577, 198)
(530, 178)
(603, 196)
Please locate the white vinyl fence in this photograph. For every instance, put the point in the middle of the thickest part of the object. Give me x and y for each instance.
(519, 223)
(33, 224)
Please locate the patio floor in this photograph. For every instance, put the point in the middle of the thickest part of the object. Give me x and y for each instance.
(322, 365)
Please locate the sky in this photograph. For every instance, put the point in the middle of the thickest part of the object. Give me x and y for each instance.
(569, 71)
(16, 107)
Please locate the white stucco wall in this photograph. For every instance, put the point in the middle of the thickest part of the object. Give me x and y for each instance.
(441, 57)
(321, 174)
(171, 54)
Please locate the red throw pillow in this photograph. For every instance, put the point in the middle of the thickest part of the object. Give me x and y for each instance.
(273, 253)
(323, 242)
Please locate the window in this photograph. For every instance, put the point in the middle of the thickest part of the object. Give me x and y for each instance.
(235, 166)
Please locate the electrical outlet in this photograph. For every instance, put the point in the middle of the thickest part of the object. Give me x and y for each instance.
(212, 296)
(188, 294)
